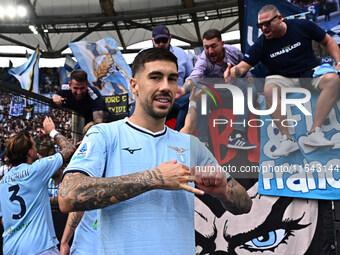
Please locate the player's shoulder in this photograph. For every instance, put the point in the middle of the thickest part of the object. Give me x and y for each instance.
(109, 127)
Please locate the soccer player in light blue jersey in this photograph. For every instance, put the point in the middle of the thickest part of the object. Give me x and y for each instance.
(141, 174)
(24, 201)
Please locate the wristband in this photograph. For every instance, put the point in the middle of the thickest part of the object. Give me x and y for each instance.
(193, 104)
(53, 133)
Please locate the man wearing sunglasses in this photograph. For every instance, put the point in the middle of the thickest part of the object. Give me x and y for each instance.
(43, 143)
(161, 38)
(286, 49)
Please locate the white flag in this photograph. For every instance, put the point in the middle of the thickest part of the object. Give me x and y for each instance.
(28, 73)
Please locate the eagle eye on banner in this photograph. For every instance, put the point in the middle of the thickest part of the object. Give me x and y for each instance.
(28, 73)
(105, 66)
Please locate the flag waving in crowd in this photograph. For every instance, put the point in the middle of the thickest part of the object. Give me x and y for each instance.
(28, 73)
(104, 64)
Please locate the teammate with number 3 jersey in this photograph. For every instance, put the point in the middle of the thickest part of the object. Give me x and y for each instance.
(24, 202)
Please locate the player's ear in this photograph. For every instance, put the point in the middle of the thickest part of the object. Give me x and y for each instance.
(134, 86)
(30, 153)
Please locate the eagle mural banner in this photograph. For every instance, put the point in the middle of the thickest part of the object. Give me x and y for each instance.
(105, 66)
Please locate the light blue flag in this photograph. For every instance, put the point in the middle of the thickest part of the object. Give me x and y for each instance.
(28, 73)
(105, 66)
(309, 172)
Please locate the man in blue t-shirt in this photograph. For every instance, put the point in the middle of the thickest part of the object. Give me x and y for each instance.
(145, 201)
(24, 203)
(285, 47)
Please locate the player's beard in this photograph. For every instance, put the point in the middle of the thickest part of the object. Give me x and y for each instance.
(150, 110)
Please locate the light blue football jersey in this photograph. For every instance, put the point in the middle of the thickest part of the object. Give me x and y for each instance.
(156, 222)
(25, 207)
(85, 236)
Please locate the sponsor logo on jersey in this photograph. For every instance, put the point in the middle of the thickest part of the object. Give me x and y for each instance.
(20, 227)
(82, 151)
(132, 151)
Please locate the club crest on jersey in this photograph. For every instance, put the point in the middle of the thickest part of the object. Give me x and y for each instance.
(83, 150)
(180, 153)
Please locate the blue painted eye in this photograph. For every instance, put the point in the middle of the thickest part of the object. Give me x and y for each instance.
(271, 240)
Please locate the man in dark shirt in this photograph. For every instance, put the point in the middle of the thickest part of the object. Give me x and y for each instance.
(82, 98)
(285, 47)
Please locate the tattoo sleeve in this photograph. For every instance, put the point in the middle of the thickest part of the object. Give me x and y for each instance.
(81, 193)
(67, 148)
(188, 85)
(75, 218)
(238, 201)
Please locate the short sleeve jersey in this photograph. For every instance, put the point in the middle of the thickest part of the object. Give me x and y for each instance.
(157, 221)
(25, 207)
(290, 55)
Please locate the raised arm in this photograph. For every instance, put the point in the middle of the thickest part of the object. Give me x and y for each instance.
(66, 148)
(79, 192)
(190, 119)
(73, 220)
(236, 71)
(186, 88)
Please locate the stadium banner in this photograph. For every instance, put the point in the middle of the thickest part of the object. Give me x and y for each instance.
(17, 106)
(65, 71)
(28, 73)
(309, 172)
(28, 112)
(118, 104)
(275, 224)
(105, 66)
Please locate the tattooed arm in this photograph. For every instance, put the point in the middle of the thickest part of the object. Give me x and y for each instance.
(231, 194)
(66, 148)
(73, 220)
(236, 71)
(79, 192)
(186, 88)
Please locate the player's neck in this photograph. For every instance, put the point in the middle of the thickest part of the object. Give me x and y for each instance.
(148, 122)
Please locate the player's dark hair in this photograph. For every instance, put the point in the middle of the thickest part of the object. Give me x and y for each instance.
(150, 55)
(78, 75)
(212, 33)
(17, 148)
